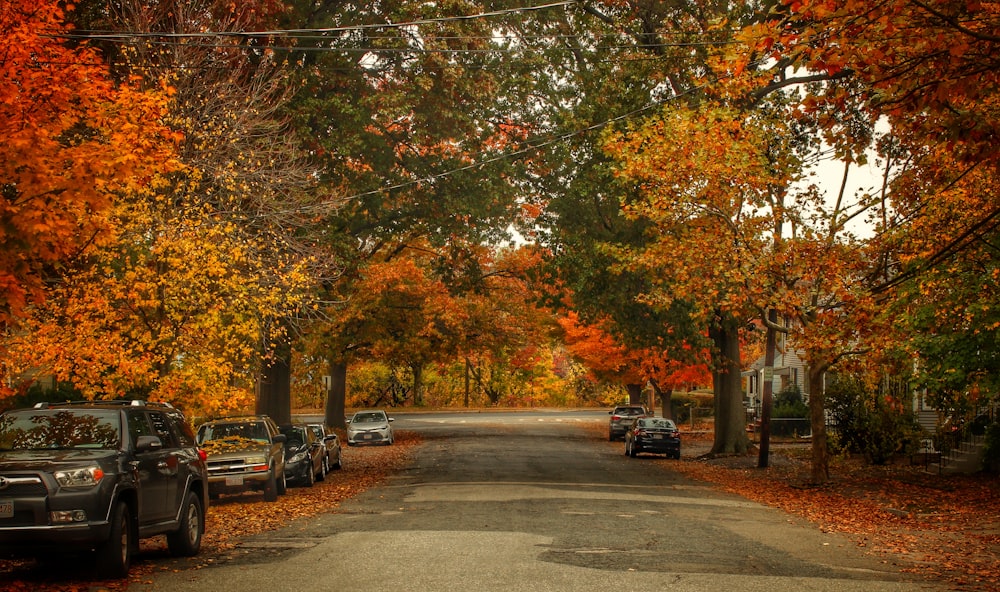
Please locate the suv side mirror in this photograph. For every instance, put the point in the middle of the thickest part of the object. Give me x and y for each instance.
(148, 443)
(280, 438)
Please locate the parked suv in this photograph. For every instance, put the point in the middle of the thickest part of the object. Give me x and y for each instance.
(621, 418)
(98, 476)
(245, 453)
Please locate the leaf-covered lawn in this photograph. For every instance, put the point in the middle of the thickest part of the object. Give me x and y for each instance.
(945, 528)
(229, 520)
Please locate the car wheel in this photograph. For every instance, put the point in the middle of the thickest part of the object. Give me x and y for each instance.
(283, 483)
(340, 462)
(114, 556)
(186, 541)
(310, 475)
(271, 488)
(324, 468)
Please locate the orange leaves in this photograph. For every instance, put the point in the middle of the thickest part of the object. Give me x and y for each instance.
(937, 527)
(71, 138)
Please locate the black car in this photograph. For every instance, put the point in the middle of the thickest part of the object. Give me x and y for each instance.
(621, 417)
(653, 434)
(98, 476)
(331, 441)
(304, 455)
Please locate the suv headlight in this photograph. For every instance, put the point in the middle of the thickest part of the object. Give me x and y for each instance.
(299, 457)
(85, 477)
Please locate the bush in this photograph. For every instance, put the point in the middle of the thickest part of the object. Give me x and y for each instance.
(789, 404)
(866, 422)
(991, 451)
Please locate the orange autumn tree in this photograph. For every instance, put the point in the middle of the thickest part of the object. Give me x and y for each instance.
(72, 139)
(404, 314)
(610, 360)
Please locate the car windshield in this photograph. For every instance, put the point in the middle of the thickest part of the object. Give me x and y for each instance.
(657, 422)
(235, 432)
(629, 411)
(60, 429)
(295, 436)
(373, 417)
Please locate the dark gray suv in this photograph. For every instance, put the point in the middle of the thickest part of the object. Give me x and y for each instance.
(98, 476)
(622, 417)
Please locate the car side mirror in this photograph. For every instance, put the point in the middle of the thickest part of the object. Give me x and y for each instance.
(148, 443)
(392, 419)
(280, 438)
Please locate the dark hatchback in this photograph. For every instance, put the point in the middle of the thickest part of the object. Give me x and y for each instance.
(96, 477)
(653, 434)
(305, 455)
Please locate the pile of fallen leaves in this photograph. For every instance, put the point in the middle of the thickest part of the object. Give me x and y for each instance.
(229, 519)
(943, 527)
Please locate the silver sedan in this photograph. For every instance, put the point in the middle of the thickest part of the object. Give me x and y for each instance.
(370, 426)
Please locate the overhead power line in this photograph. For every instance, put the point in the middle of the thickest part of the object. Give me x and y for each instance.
(111, 35)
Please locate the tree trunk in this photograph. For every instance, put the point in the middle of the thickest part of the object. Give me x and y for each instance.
(468, 380)
(817, 418)
(634, 394)
(418, 384)
(274, 389)
(336, 397)
(664, 397)
(767, 391)
(730, 418)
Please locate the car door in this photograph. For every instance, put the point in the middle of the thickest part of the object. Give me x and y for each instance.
(175, 463)
(153, 467)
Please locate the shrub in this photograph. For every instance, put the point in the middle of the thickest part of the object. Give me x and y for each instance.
(867, 423)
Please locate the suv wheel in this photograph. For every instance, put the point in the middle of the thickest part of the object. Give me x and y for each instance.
(186, 541)
(271, 487)
(115, 555)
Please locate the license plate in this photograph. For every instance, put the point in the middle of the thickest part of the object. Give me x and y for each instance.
(657, 436)
(6, 508)
(234, 481)
(368, 436)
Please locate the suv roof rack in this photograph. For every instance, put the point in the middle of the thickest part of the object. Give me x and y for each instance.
(110, 403)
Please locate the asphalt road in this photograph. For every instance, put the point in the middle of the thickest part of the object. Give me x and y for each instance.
(535, 502)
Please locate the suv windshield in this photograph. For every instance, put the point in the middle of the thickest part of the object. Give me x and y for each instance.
(50, 429)
(236, 431)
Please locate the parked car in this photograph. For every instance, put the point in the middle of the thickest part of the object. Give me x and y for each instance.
(622, 417)
(245, 453)
(653, 434)
(331, 442)
(305, 455)
(371, 426)
(98, 476)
